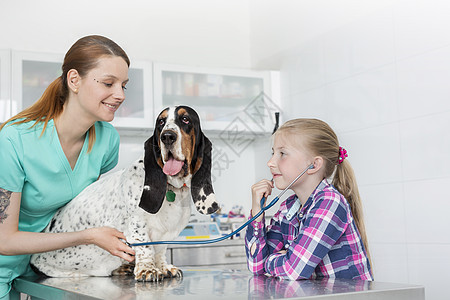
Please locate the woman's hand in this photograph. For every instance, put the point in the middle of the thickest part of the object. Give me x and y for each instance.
(16, 242)
(260, 189)
(110, 240)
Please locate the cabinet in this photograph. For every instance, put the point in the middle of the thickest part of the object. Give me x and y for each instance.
(224, 99)
(33, 72)
(227, 100)
(137, 109)
(228, 253)
(5, 85)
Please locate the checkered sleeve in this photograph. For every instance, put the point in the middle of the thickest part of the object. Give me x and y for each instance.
(325, 222)
(260, 242)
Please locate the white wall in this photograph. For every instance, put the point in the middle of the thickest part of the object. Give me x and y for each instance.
(377, 72)
(194, 32)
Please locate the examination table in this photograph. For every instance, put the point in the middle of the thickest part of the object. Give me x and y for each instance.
(213, 283)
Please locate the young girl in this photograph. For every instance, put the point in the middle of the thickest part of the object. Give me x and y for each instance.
(318, 231)
(52, 150)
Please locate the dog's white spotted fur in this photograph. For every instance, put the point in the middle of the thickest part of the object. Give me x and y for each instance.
(114, 200)
(108, 208)
(205, 202)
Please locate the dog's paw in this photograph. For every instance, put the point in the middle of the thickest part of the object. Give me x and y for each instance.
(126, 269)
(170, 271)
(147, 272)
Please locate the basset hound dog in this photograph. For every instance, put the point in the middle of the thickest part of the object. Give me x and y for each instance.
(148, 201)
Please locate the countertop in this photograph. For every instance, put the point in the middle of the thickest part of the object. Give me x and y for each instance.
(204, 283)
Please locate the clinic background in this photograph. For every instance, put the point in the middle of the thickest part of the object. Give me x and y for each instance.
(376, 71)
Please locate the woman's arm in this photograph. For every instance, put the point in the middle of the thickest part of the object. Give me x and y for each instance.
(15, 242)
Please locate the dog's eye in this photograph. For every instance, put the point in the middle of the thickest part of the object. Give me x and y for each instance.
(185, 120)
(161, 122)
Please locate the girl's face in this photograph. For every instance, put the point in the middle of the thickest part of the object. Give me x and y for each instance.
(102, 90)
(287, 162)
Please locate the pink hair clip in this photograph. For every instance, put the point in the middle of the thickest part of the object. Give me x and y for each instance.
(342, 155)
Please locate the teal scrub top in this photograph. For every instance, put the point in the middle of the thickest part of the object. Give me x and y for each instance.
(37, 167)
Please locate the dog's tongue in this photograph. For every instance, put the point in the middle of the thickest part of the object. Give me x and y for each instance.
(172, 166)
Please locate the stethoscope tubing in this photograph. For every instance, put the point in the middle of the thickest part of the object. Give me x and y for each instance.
(263, 209)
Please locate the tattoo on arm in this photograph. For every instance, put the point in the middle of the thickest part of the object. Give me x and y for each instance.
(5, 198)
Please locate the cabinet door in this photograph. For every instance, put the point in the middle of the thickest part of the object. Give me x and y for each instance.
(31, 74)
(5, 85)
(137, 109)
(220, 97)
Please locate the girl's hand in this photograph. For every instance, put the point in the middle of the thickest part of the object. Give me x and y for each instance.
(260, 189)
(109, 239)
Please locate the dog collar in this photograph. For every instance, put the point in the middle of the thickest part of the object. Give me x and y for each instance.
(184, 185)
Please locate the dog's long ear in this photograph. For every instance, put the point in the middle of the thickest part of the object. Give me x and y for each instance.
(155, 183)
(201, 185)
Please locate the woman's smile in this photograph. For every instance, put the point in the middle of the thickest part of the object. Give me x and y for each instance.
(112, 107)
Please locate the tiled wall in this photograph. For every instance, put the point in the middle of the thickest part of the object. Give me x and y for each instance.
(382, 82)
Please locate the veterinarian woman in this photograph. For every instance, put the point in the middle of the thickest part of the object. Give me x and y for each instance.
(52, 150)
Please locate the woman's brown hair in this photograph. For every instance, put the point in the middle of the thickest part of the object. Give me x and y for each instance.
(319, 139)
(83, 56)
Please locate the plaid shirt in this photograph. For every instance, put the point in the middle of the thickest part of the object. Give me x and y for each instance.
(320, 239)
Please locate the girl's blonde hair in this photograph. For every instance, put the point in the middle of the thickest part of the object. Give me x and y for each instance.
(319, 139)
(83, 56)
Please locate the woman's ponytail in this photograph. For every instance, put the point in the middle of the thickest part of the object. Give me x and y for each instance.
(49, 106)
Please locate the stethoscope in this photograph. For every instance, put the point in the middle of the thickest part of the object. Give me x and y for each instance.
(263, 209)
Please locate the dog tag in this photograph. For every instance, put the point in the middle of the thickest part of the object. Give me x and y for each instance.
(170, 196)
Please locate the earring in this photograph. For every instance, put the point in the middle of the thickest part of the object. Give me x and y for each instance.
(75, 91)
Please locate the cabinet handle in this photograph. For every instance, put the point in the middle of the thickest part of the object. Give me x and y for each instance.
(235, 254)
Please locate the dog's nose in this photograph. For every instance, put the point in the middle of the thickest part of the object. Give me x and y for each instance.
(168, 137)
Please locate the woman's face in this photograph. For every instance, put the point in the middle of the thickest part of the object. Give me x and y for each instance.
(102, 90)
(287, 162)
